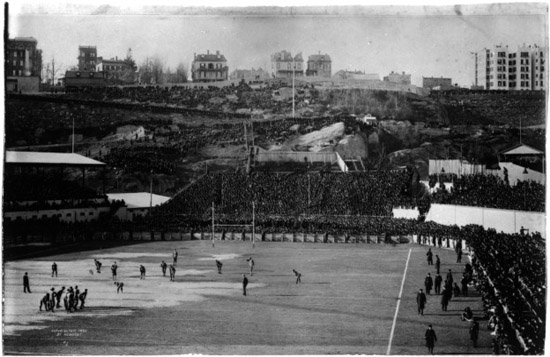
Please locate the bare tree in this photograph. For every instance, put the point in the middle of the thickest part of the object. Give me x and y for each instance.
(152, 71)
(52, 71)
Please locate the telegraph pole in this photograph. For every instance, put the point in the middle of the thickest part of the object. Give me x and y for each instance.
(293, 74)
(253, 227)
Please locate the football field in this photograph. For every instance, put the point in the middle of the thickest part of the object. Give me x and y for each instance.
(346, 304)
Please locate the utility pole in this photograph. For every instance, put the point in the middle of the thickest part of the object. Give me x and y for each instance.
(73, 136)
(212, 224)
(253, 227)
(293, 74)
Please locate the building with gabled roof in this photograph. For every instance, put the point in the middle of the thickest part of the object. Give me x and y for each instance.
(209, 67)
(319, 65)
(283, 65)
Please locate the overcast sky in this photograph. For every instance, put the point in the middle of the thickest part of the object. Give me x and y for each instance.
(422, 41)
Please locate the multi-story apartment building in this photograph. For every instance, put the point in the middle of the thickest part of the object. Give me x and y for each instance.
(87, 58)
(522, 69)
(437, 83)
(400, 78)
(23, 64)
(283, 65)
(319, 65)
(23, 58)
(209, 67)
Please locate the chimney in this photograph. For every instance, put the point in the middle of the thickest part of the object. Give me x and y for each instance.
(207, 52)
(194, 55)
(217, 53)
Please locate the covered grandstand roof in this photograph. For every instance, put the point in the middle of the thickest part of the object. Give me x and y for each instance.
(522, 149)
(138, 199)
(49, 159)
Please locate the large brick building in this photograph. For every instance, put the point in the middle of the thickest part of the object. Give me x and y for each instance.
(209, 67)
(23, 62)
(282, 64)
(400, 78)
(437, 83)
(520, 69)
(87, 58)
(319, 65)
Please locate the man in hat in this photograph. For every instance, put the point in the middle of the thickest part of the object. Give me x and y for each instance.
(431, 339)
(245, 284)
(421, 302)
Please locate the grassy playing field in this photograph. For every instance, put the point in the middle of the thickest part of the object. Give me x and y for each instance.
(345, 304)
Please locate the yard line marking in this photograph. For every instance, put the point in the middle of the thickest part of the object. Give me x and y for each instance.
(398, 302)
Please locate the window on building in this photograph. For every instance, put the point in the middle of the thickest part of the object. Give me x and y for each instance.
(14, 62)
(504, 83)
(536, 83)
(13, 71)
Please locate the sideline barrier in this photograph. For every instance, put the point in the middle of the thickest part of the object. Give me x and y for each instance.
(507, 221)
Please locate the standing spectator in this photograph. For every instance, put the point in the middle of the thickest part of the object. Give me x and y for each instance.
(431, 339)
(26, 284)
(163, 266)
(449, 278)
(429, 254)
(428, 283)
(438, 280)
(444, 299)
(219, 265)
(464, 283)
(474, 332)
(54, 269)
(437, 264)
(421, 302)
(459, 255)
(114, 267)
(298, 276)
(245, 283)
(142, 272)
(439, 241)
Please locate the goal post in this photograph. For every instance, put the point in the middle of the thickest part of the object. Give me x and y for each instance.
(253, 226)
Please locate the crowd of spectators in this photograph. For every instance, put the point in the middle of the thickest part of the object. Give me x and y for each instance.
(44, 186)
(510, 272)
(287, 197)
(15, 206)
(491, 192)
(141, 158)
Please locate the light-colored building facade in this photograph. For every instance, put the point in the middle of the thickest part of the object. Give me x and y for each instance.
(519, 69)
(400, 78)
(209, 67)
(87, 58)
(283, 65)
(319, 65)
(114, 68)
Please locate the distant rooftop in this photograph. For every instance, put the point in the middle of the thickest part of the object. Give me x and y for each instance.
(25, 39)
(211, 57)
(49, 159)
